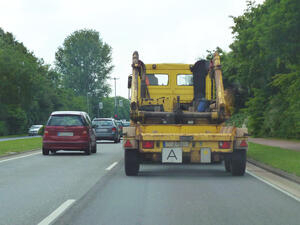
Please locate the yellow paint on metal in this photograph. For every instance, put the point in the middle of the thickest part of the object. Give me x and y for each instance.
(168, 66)
(166, 95)
(195, 156)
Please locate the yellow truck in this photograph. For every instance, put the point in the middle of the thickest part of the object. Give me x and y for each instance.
(178, 114)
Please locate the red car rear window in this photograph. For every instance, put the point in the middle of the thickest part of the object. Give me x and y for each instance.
(65, 120)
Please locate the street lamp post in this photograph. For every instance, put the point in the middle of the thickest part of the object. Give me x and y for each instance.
(115, 78)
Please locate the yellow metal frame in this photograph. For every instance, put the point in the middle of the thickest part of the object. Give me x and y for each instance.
(202, 136)
(167, 95)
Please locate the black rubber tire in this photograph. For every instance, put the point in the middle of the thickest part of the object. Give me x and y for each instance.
(45, 151)
(238, 162)
(94, 148)
(53, 151)
(88, 150)
(227, 165)
(132, 162)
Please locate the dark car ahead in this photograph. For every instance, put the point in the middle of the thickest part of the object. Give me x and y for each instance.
(106, 129)
(69, 130)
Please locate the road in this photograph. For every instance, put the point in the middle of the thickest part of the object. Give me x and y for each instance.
(94, 189)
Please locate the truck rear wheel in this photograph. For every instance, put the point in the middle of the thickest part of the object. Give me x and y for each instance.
(238, 163)
(132, 163)
(227, 165)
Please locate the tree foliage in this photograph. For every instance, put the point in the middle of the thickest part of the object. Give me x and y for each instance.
(85, 63)
(29, 89)
(108, 111)
(264, 64)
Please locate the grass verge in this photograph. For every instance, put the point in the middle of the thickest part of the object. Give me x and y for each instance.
(12, 136)
(284, 159)
(20, 145)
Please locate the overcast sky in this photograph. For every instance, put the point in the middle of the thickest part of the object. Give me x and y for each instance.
(162, 31)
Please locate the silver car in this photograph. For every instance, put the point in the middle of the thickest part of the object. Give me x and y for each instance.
(106, 129)
(34, 130)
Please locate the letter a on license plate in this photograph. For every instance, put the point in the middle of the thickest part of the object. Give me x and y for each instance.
(172, 155)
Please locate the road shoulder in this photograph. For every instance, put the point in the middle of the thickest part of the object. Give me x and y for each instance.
(287, 185)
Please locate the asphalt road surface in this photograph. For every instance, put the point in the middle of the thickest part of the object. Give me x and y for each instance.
(77, 189)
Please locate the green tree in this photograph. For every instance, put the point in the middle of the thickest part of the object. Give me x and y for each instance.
(85, 63)
(264, 61)
(29, 89)
(108, 111)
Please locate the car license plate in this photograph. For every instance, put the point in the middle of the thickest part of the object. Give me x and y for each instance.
(172, 155)
(65, 134)
(176, 144)
(101, 130)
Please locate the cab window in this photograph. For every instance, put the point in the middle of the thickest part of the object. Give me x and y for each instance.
(157, 79)
(184, 79)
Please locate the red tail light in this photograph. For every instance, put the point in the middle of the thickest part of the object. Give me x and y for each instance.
(224, 144)
(85, 132)
(244, 144)
(128, 144)
(114, 129)
(148, 144)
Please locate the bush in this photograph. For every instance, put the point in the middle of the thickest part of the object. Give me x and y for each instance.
(239, 119)
(41, 130)
(3, 128)
(16, 120)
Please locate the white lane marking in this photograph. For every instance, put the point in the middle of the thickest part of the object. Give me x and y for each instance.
(274, 186)
(111, 166)
(24, 156)
(56, 213)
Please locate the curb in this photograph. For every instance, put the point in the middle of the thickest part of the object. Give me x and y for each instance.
(276, 171)
(19, 153)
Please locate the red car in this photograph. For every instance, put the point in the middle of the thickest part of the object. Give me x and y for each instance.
(69, 130)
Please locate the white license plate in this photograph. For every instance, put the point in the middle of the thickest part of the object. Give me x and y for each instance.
(176, 144)
(65, 134)
(101, 130)
(172, 155)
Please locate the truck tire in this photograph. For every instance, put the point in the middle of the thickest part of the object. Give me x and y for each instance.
(132, 163)
(45, 151)
(227, 165)
(238, 162)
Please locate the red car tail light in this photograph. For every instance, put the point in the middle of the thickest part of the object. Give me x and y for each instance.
(114, 129)
(148, 144)
(224, 144)
(128, 144)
